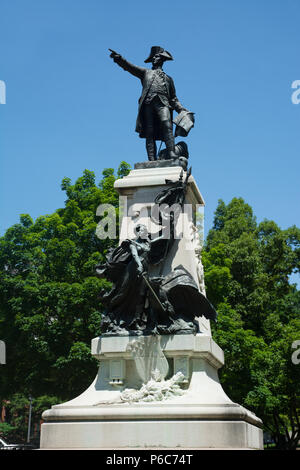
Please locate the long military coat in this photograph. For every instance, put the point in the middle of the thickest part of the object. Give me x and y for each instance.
(147, 76)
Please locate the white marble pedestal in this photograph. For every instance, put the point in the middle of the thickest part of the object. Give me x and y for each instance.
(202, 417)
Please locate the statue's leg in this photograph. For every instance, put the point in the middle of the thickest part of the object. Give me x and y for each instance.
(151, 148)
(169, 140)
(166, 126)
(149, 132)
(139, 319)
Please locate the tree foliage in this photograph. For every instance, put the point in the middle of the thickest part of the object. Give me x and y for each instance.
(49, 295)
(247, 270)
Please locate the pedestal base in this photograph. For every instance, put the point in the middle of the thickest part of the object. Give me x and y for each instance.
(159, 434)
(201, 417)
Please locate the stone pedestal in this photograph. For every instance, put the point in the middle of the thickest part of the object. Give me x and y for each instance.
(201, 417)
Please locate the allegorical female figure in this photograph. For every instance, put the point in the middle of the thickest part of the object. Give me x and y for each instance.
(138, 304)
(125, 266)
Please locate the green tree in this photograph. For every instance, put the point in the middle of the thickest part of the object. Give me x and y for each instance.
(6, 431)
(49, 294)
(247, 270)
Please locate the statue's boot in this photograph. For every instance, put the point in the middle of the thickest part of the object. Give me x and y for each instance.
(169, 139)
(151, 148)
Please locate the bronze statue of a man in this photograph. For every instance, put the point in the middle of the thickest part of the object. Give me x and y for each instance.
(157, 102)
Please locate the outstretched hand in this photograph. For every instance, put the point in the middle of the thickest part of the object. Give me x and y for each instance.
(114, 55)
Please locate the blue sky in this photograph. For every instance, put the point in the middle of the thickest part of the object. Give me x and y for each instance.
(69, 107)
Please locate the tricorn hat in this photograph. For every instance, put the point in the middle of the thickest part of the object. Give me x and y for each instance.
(158, 50)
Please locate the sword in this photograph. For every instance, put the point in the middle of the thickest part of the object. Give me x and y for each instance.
(153, 292)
